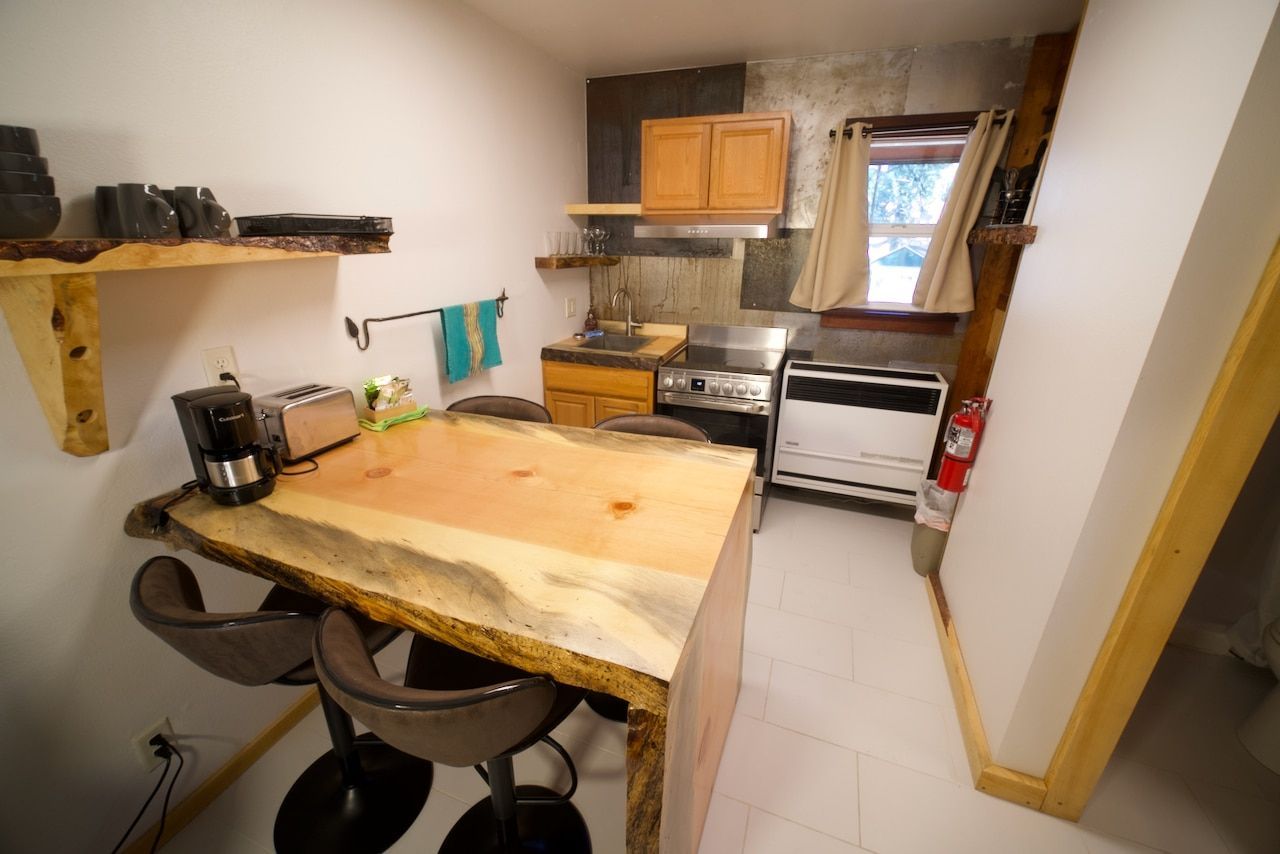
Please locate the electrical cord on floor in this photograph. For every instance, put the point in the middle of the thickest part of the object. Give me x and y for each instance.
(165, 751)
(165, 744)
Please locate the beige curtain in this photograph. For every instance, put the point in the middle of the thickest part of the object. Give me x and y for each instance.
(946, 277)
(837, 270)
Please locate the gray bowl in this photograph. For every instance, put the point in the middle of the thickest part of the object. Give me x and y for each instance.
(13, 162)
(25, 215)
(28, 183)
(20, 140)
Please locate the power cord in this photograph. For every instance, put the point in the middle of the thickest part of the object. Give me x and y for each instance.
(166, 751)
(227, 375)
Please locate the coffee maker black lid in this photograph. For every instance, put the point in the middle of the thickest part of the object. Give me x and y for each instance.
(224, 420)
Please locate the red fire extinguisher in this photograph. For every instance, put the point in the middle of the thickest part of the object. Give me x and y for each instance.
(960, 443)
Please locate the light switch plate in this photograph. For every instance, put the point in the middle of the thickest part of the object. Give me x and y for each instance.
(570, 306)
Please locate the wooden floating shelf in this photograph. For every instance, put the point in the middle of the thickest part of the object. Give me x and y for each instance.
(1007, 235)
(606, 209)
(565, 262)
(49, 295)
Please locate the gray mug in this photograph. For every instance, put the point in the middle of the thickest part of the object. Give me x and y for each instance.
(108, 211)
(144, 212)
(199, 214)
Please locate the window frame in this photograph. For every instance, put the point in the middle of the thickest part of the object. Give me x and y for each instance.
(901, 317)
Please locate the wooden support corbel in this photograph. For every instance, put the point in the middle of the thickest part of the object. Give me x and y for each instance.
(54, 323)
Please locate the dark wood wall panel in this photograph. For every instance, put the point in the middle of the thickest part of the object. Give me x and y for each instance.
(617, 105)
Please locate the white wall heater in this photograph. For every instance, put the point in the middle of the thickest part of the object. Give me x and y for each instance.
(857, 430)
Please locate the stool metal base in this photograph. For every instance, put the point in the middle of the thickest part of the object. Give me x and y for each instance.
(557, 828)
(321, 814)
(607, 706)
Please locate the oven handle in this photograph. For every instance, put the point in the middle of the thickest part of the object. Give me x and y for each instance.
(698, 402)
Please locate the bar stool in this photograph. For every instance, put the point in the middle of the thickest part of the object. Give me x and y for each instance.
(460, 709)
(654, 425)
(359, 797)
(499, 406)
(607, 706)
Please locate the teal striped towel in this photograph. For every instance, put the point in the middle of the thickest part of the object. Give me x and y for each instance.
(471, 338)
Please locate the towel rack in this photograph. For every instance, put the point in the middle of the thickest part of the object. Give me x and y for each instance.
(364, 324)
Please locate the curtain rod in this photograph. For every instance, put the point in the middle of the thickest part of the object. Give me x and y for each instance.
(904, 130)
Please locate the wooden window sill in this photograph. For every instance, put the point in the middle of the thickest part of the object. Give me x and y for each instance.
(884, 320)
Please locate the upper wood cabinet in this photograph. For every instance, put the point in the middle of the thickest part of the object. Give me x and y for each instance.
(715, 164)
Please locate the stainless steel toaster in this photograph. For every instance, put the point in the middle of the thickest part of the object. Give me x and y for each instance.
(305, 420)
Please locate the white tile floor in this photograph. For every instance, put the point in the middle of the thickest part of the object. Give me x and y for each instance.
(844, 738)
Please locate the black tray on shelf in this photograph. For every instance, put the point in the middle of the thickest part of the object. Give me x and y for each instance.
(266, 225)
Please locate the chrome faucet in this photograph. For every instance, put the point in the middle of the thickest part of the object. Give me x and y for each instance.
(632, 324)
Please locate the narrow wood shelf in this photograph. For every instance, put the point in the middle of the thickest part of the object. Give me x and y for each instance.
(49, 295)
(565, 262)
(1005, 235)
(102, 255)
(605, 209)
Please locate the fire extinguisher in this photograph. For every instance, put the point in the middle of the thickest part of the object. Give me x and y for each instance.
(960, 443)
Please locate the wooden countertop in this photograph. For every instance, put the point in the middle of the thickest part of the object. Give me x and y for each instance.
(667, 341)
(614, 562)
(466, 521)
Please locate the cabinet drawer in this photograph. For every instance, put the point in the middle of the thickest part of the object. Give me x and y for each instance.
(593, 379)
(607, 407)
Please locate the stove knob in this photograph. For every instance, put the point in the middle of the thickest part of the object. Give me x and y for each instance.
(679, 382)
(755, 389)
(741, 389)
(713, 387)
(666, 382)
(727, 388)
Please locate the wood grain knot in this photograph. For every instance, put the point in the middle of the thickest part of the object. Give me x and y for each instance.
(380, 471)
(523, 473)
(622, 508)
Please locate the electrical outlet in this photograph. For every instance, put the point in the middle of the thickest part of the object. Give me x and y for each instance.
(218, 361)
(570, 306)
(144, 749)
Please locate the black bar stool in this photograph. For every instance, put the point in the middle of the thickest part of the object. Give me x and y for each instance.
(499, 406)
(359, 797)
(460, 709)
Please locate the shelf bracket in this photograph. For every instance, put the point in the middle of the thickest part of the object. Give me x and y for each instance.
(54, 323)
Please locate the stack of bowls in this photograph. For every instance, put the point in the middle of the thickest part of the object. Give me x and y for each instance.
(28, 207)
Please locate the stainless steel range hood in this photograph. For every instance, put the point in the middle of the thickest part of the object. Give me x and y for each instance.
(713, 226)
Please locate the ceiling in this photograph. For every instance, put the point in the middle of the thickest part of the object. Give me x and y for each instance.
(605, 37)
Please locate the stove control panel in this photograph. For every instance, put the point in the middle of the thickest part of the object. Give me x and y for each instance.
(740, 386)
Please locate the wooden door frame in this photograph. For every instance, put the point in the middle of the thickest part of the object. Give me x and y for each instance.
(1241, 408)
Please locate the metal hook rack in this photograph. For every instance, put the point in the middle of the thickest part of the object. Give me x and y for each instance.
(354, 332)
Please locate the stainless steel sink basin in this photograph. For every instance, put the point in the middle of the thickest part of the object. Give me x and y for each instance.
(616, 343)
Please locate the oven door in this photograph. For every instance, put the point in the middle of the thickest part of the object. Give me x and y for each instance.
(743, 429)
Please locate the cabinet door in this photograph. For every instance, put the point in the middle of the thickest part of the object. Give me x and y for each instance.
(748, 164)
(607, 407)
(571, 409)
(675, 165)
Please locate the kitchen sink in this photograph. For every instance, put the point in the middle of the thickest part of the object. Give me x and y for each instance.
(616, 343)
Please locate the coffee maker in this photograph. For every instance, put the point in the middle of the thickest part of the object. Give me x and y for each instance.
(222, 439)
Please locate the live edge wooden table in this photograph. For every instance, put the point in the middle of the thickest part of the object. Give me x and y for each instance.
(614, 562)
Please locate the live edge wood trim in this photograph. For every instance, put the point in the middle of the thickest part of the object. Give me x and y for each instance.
(220, 780)
(889, 321)
(49, 296)
(1004, 783)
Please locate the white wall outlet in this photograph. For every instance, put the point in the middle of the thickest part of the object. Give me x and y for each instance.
(144, 749)
(570, 306)
(218, 361)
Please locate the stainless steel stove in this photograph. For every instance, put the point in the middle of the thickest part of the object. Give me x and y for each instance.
(727, 381)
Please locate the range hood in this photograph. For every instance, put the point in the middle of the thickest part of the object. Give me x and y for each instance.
(708, 226)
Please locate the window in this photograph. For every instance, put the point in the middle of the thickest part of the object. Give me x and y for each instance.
(907, 184)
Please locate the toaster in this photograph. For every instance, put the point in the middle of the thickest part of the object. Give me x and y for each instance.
(305, 420)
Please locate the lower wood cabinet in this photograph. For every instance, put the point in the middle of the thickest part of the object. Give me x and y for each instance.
(582, 395)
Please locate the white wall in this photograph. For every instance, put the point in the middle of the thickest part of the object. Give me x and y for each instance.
(1156, 217)
(415, 109)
